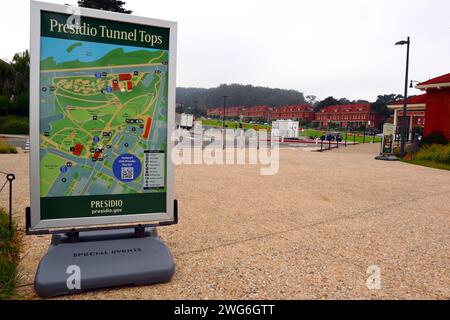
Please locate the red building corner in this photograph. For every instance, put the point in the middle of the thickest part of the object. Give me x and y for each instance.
(437, 110)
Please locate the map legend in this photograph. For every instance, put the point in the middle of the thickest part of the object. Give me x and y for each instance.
(154, 169)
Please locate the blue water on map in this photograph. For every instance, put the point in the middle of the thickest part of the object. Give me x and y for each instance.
(88, 52)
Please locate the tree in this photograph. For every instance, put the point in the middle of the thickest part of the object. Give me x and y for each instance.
(344, 101)
(330, 101)
(311, 99)
(21, 64)
(240, 95)
(380, 105)
(15, 84)
(107, 5)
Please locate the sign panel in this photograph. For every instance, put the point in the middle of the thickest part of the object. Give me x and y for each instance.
(388, 138)
(102, 114)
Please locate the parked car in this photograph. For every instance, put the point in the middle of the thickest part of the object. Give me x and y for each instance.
(332, 136)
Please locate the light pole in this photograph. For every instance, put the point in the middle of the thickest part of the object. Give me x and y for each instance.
(181, 105)
(224, 107)
(405, 98)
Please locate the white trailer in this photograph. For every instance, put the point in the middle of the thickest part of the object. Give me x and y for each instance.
(285, 129)
(184, 121)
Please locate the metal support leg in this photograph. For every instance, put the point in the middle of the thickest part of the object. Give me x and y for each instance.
(139, 232)
(73, 237)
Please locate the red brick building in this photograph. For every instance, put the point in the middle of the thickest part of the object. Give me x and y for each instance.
(300, 112)
(437, 110)
(258, 112)
(352, 115)
(231, 112)
(266, 113)
(214, 112)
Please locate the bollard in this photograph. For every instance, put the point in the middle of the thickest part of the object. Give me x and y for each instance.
(10, 178)
(354, 138)
(329, 145)
(415, 145)
(364, 137)
(321, 145)
(346, 136)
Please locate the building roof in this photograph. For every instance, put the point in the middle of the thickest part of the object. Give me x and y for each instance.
(347, 108)
(421, 99)
(441, 81)
(257, 108)
(294, 108)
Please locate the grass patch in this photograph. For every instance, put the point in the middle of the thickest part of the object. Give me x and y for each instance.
(233, 124)
(14, 125)
(434, 156)
(429, 164)
(9, 258)
(6, 148)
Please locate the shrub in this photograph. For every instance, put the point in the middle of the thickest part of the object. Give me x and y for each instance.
(9, 258)
(14, 125)
(436, 153)
(436, 137)
(6, 148)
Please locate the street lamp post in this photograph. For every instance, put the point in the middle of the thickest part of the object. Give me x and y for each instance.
(224, 110)
(223, 120)
(181, 105)
(196, 105)
(405, 98)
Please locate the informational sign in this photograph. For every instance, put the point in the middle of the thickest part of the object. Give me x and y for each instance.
(102, 114)
(388, 138)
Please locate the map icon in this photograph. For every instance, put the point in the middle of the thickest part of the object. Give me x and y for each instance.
(127, 168)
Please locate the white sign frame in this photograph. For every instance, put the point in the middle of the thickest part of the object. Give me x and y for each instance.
(52, 226)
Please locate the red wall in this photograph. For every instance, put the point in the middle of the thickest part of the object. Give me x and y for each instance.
(438, 111)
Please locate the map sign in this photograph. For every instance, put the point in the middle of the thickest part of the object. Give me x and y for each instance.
(388, 138)
(103, 117)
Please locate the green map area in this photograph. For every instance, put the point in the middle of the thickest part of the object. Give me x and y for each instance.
(103, 120)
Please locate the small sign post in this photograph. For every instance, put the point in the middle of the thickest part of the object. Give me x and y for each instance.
(388, 139)
(102, 109)
(386, 152)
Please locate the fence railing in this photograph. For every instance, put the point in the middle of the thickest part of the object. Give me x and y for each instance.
(327, 143)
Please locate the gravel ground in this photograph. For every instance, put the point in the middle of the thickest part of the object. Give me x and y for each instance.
(309, 232)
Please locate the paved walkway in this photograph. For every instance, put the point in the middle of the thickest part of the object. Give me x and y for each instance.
(310, 232)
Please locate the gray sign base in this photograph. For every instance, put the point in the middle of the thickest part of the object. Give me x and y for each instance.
(387, 158)
(103, 259)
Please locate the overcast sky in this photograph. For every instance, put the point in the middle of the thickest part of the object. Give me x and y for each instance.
(342, 48)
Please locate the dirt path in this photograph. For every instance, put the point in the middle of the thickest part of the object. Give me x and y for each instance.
(309, 232)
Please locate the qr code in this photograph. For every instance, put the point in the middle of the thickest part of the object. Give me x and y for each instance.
(128, 173)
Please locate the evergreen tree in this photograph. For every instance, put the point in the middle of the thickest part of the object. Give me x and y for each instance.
(107, 5)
